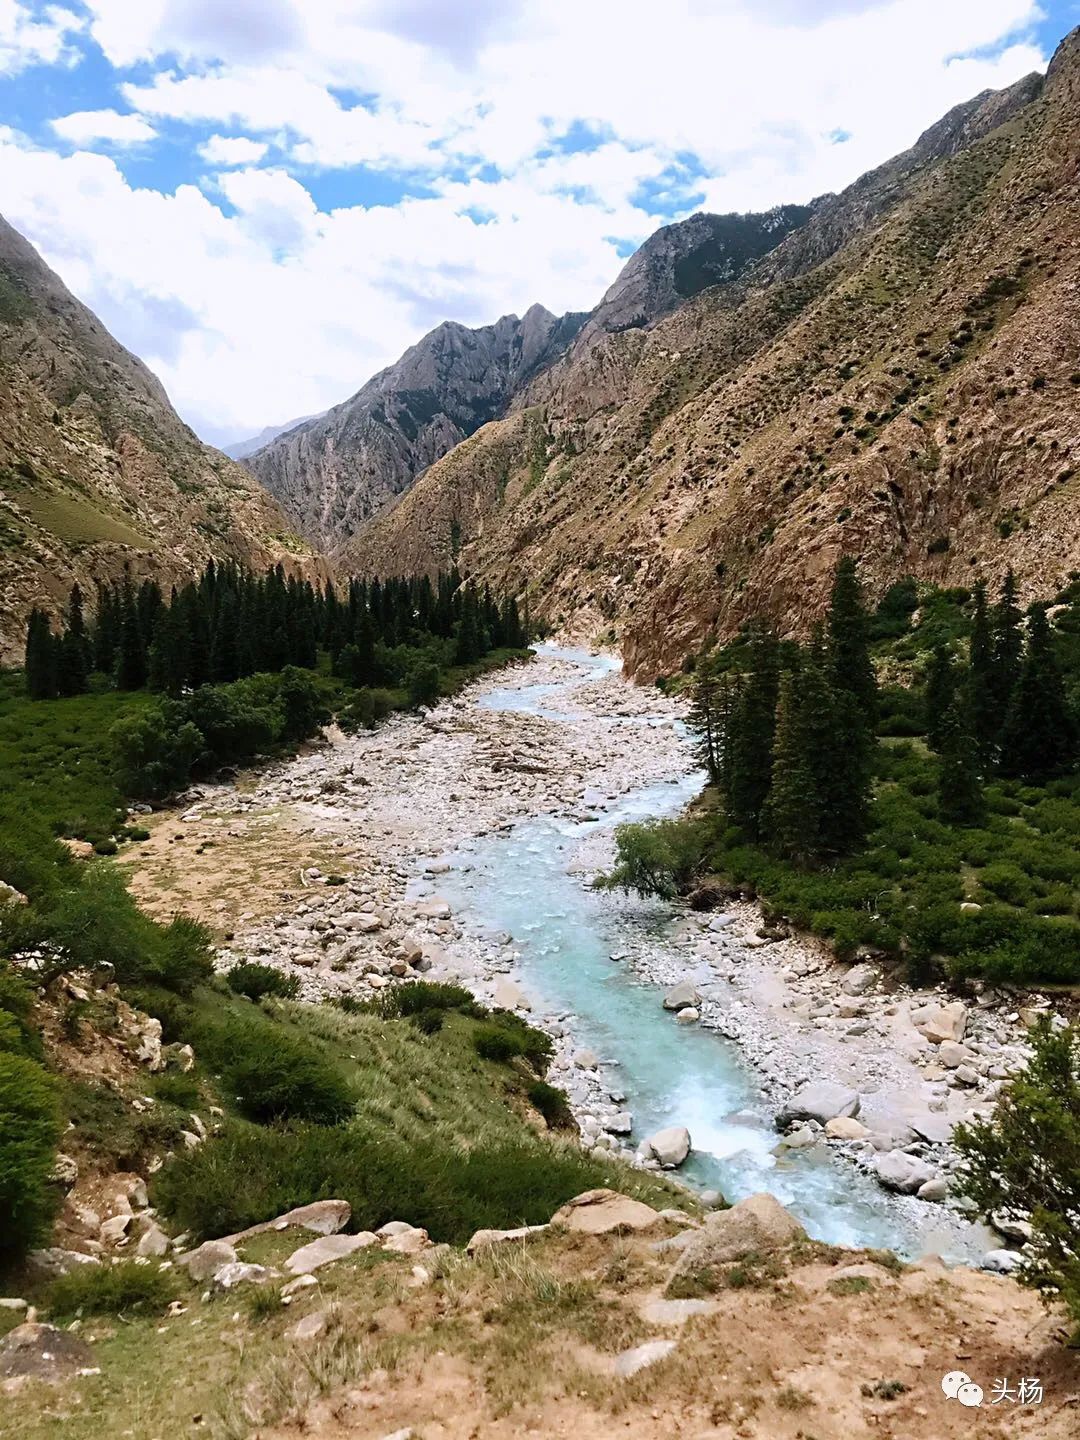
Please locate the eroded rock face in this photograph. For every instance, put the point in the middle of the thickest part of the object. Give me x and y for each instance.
(333, 473)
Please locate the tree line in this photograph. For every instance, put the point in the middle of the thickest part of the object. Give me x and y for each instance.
(786, 730)
(232, 623)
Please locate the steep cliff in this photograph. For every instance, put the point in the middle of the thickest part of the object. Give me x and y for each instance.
(97, 471)
(899, 377)
(336, 472)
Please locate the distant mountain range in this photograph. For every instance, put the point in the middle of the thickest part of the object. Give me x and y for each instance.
(241, 449)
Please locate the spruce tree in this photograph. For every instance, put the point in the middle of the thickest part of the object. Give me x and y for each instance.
(469, 642)
(753, 727)
(793, 811)
(848, 641)
(168, 660)
(941, 681)
(981, 701)
(73, 653)
(1039, 740)
(40, 657)
(704, 719)
(131, 661)
(106, 630)
(1007, 639)
(225, 639)
(960, 797)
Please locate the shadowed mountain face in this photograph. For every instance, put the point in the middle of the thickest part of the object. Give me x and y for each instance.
(336, 472)
(898, 376)
(97, 471)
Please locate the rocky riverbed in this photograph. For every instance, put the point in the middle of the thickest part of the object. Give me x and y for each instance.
(876, 1071)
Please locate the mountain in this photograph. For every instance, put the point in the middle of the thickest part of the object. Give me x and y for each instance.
(336, 472)
(898, 377)
(97, 471)
(241, 449)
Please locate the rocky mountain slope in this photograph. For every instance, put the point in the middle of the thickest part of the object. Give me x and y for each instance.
(898, 377)
(97, 471)
(336, 472)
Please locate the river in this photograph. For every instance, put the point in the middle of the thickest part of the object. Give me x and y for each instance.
(533, 883)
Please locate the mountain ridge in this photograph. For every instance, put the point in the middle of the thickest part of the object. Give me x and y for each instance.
(98, 473)
(894, 378)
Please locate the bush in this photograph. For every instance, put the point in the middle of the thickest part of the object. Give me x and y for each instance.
(156, 750)
(274, 1074)
(1007, 883)
(428, 1022)
(656, 857)
(401, 1001)
(97, 923)
(112, 1290)
(176, 1088)
(495, 1042)
(552, 1104)
(29, 1134)
(255, 981)
(365, 710)
(422, 684)
(449, 1191)
(1024, 1163)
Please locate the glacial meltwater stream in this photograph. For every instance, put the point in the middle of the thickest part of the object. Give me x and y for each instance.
(524, 882)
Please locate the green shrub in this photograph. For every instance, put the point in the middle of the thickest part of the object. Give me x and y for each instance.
(112, 1290)
(400, 1001)
(656, 857)
(29, 1133)
(255, 981)
(365, 710)
(1006, 882)
(552, 1105)
(274, 1074)
(428, 1022)
(176, 1088)
(106, 847)
(496, 1042)
(449, 1191)
(1024, 1163)
(156, 750)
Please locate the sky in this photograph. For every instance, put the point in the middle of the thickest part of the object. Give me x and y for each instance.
(269, 200)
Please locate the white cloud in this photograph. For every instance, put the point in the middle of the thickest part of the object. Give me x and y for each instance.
(254, 303)
(85, 127)
(26, 39)
(228, 150)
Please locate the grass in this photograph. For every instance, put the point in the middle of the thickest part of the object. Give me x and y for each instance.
(438, 1136)
(112, 1290)
(75, 519)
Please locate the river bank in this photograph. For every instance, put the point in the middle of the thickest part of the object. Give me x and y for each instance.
(464, 843)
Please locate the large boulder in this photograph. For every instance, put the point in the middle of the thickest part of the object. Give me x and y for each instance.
(759, 1223)
(238, 1272)
(604, 1212)
(904, 1173)
(321, 1217)
(669, 1148)
(54, 1262)
(821, 1100)
(328, 1248)
(204, 1262)
(941, 1022)
(681, 995)
(42, 1352)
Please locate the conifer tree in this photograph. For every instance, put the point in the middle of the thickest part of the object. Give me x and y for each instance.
(40, 657)
(960, 797)
(167, 666)
(131, 661)
(1008, 645)
(73, 653)
(225, 639)
(704, 719)
(981, 702)
(1039, 740)
(793, 811)
(941, 683)
(469, 646)
(852, 670)
(753, 728)
(106, 630)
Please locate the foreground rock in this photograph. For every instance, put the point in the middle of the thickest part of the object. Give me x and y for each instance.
(42, 1352)
(485, 1239)
(310, 1258)
(605, 1212)
(759, 1223)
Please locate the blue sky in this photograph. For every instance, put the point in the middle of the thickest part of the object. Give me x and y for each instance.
(270, 199)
